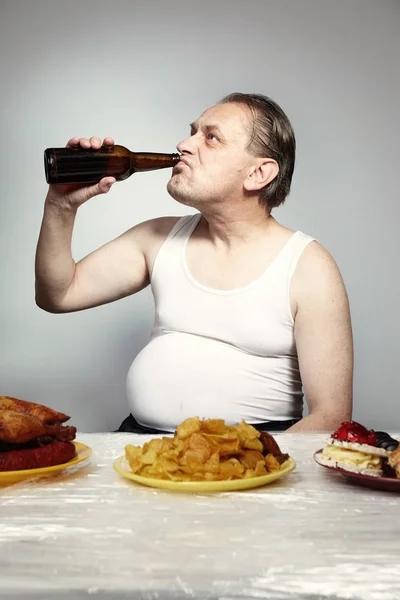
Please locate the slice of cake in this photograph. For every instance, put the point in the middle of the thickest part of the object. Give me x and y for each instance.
(353, 447)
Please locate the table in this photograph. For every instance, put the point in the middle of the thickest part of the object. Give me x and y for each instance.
(89, 532)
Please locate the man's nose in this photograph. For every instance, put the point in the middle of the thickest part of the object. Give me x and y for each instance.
(187, 146)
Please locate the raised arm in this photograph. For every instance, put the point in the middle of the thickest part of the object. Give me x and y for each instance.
(117, 269)
(324, 340)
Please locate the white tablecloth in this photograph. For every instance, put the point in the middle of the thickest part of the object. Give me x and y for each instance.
(89, 532)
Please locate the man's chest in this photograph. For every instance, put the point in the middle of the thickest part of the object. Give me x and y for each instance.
(227, 270)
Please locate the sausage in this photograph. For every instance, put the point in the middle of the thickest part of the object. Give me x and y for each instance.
(270, 446)
(55, 453)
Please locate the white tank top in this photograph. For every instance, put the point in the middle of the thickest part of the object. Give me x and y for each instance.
(223, 354)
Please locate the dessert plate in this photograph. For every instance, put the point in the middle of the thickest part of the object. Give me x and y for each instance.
(389, 484)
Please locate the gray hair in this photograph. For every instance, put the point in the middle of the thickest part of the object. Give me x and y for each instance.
(272, 136)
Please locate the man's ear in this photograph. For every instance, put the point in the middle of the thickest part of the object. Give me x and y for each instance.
(261, 174)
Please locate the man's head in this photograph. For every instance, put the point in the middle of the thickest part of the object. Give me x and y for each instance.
(242, 147)
(272, 136)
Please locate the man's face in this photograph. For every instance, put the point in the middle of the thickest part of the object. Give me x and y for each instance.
(215, 159)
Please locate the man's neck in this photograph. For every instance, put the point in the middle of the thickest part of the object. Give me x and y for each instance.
(233, 226)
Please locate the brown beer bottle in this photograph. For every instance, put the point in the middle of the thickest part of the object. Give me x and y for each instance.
(80, 165)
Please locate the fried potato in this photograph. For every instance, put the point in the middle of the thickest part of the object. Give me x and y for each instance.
(204, 450)
(271, 463)
(188, 427)
(216, 426)
(133, 456)
(250, 458)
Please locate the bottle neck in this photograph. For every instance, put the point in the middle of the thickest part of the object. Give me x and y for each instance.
(149, 161)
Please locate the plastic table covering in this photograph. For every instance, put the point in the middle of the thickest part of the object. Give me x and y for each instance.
(89, 532)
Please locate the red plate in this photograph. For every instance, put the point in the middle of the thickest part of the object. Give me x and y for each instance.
(388, 484)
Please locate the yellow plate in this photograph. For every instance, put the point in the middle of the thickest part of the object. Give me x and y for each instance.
(82, 453)
(230, 485)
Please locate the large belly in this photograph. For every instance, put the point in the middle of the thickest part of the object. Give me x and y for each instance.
(177, 376)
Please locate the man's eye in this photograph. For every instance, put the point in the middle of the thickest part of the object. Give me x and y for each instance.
(212, 137)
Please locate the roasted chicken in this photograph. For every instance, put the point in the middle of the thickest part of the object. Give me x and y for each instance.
(19, 428)
(43, 414)
(32, 436)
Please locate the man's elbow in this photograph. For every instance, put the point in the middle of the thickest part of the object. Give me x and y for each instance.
(49, 306)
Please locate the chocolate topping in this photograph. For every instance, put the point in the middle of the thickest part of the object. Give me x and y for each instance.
(383, 440)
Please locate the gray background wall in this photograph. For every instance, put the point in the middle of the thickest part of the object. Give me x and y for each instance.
(140, 72)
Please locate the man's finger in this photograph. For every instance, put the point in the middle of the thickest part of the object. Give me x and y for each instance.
(95, 142)
(105, 184)
(85, 143)
(73, 142)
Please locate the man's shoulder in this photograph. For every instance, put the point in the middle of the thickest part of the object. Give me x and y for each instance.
(158, 225)
(152, 229)
(150, 235)
(315, 258)
(317, 275)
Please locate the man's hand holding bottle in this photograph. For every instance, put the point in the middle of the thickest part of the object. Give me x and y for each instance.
(72, 196)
